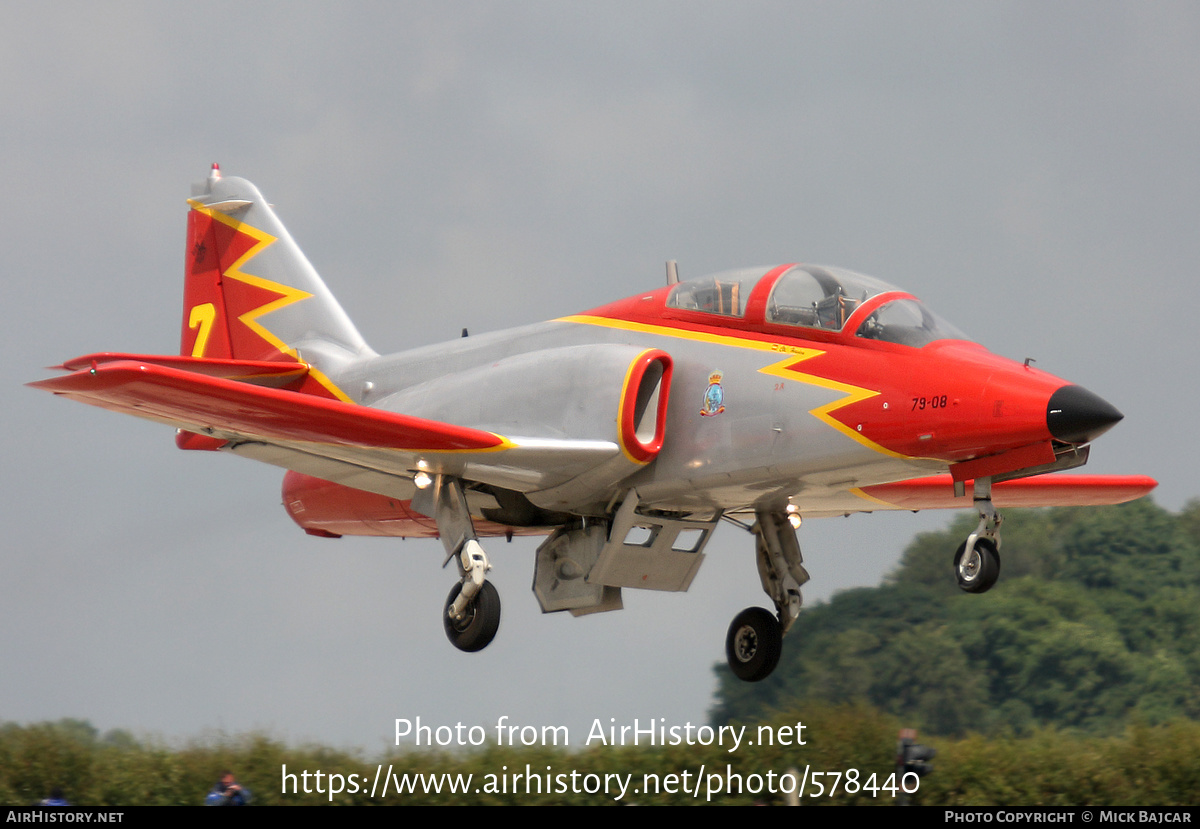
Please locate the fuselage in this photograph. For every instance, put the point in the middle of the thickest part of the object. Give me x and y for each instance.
(767, 404)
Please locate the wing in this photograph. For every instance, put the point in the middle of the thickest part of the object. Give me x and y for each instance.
(937, 492)
(359, 446)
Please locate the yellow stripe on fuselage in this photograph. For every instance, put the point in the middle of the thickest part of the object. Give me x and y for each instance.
(784, 368)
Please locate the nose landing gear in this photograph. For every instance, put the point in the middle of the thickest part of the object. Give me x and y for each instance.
(977, 561)
(978, 570)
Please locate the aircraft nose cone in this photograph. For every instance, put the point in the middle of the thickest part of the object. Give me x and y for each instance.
(1075, 415)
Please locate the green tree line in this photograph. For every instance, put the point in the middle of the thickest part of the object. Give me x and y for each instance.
(1095, 623)
(1143, 766)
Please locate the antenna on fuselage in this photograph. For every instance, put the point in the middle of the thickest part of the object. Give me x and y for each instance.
(672, 272)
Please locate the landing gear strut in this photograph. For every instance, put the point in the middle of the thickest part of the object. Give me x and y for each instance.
(755, 639)
(977, 561)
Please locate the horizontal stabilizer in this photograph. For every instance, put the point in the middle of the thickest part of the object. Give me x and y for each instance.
(273, 373)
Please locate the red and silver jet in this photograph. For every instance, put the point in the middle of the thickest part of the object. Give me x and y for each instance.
(759, 396)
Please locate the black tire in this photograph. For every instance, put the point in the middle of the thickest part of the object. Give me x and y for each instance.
(753, 645)
(979, 573)
(478, 627)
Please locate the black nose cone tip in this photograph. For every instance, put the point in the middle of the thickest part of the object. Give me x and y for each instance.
(1075, 415)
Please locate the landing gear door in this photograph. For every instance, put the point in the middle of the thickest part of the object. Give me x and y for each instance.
(650, 551)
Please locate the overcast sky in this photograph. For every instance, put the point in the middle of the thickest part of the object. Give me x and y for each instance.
(1029, 169)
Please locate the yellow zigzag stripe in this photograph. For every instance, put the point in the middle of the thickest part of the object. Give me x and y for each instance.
(781, 368)
(262, 240)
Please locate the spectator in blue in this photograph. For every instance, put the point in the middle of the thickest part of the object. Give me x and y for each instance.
(55, 800)
(227, 792)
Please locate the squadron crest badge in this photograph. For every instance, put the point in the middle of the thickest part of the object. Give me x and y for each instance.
(714, 396)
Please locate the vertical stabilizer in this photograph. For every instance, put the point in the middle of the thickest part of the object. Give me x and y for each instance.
(250, 293)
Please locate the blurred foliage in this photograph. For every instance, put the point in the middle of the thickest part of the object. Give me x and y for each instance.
(1146, 764)
(1096, 619)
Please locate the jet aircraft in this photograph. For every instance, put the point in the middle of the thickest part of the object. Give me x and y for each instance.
(758, 396)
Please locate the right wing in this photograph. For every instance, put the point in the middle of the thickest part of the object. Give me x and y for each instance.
(937, 492)
(1054, 490)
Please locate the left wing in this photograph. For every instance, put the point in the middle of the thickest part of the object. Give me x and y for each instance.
(197, 395)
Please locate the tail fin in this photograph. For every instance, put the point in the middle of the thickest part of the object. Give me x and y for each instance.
(250, 293)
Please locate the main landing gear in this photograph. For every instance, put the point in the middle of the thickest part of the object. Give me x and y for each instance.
(977, 561)
(754, 644)
(755, 639)
(472, 612)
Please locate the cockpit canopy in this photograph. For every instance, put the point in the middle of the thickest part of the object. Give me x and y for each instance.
(814, 297)
(723, 293)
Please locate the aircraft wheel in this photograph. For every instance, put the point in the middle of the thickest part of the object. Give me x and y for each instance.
(979, 571)
(478, 627)
(753, 645)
